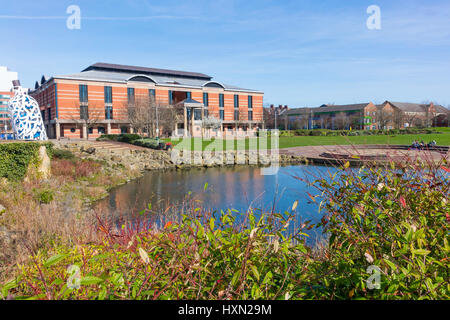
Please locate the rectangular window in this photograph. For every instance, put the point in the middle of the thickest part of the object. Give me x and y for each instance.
(108, 112)
(84, 113)
(221, 101)
(43, 115)
(151, 94)
(108, 95)
(170, 97)
(83, 92)
(49, 113)
(236, 101)
(205, 99)
(250, 102)
(236, 114)
(221, 114)
(130, 94)
(250, 115)
(197, 114)
(188, 95)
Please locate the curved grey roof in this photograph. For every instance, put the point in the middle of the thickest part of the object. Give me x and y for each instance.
(106, 72)
(125, 77)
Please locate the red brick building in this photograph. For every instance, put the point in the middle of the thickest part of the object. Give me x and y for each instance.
(109, 89)
(5, 119)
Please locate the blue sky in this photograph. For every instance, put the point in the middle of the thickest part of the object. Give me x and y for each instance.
(300, 53)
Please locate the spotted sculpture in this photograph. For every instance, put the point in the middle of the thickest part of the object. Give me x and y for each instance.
(26, 117)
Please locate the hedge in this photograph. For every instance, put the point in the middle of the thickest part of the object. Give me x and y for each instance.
(124, 137)
(16, 157)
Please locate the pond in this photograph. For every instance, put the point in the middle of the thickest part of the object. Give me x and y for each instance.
(239, 188)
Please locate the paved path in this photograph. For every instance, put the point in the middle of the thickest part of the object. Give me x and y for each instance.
(361, 152)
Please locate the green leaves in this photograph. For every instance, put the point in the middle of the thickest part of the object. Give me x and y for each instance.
(90, 280)
(54, 259)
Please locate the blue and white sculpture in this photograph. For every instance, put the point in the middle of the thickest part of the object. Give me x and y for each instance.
(26, 117)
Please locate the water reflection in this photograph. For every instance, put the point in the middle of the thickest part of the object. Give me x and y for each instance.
(228, 188)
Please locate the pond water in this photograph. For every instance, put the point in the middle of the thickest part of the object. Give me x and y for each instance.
(236, 188)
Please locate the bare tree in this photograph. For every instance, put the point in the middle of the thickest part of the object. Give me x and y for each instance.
(211, 122)
(398, 118)
(383, 118)
(341, 121)
(90, 116)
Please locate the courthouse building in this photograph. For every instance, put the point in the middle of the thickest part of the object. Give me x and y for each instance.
(110, 89)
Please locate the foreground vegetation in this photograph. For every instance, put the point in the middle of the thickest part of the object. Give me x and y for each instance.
(36, 213)
(393, 220)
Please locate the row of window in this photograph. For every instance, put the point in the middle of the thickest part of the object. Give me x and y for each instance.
(83, 93)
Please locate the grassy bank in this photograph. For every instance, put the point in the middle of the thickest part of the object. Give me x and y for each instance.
(39, 213)
(442, 139)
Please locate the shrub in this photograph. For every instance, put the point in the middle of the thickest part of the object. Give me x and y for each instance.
(123, 137)
(63, 154)
(86, 168)
(147, 143)
(16, 157)
(394, 219)
(63, 167)
(196, 258)
(44, 196)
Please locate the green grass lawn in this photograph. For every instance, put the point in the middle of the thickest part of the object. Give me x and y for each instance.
(442, 139)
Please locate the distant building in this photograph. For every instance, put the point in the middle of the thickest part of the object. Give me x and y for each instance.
(275, 117)
(6, 92)
(368, 116)
(111, 89)
(5, 120)
(333, 117)
(6, 79)
(417, 114)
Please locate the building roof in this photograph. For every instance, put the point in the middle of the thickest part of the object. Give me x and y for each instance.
(340, 108)
(101, 66)
(298, 111)
(123, 74)
(409, 107)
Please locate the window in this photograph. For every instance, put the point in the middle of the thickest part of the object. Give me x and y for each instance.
(221, 101)
(250, 115)
(108, 95)
(49, 113)
(151, 94)
(250, 102)
(130, 94)
(101, 130)
(221, 114)
(108, 103)
(84, 112)
(170, 97)
(205, 99)
(108, 112)
(236, 101)
(72, 130)
(236, 114)
(83, 92)
(91, 130)
(43, 115)
(197, 114)
(188, 95)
